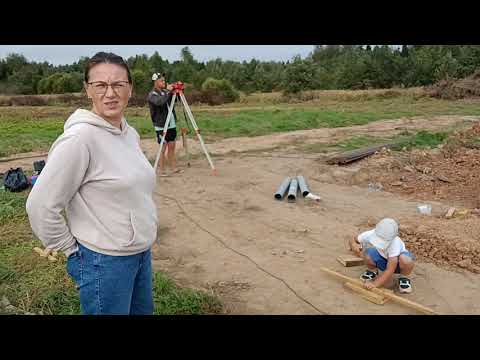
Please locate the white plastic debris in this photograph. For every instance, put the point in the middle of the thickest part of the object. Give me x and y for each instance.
(425, 209)
(313, 197)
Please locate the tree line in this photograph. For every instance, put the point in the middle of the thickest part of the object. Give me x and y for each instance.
(326, 67)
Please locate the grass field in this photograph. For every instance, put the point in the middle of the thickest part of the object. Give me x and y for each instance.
(24, 129)
(34, 284)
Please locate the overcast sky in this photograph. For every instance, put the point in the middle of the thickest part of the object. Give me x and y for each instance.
(67, 54)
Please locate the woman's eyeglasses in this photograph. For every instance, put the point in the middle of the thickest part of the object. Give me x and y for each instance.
(100, 87)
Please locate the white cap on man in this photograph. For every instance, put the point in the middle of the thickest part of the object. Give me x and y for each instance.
(157, 76)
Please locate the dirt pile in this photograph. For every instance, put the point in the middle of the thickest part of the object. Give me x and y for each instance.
(448, 174)
(456, 89)
(433, 245)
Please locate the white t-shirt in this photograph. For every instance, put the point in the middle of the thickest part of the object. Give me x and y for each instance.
(396, 247)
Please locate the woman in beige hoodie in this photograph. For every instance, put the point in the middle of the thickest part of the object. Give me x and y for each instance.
(97, 172)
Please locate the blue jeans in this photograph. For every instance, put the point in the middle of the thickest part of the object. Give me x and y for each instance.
(112, 285)
(381, 262)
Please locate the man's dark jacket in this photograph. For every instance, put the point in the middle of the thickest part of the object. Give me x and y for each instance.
(159, 101)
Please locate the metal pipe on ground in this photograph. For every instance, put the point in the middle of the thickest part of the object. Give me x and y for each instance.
(292, 191)
(303, 185)
(354, 155)
(282, 189)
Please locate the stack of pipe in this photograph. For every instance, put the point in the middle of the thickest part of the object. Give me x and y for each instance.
(290, 186)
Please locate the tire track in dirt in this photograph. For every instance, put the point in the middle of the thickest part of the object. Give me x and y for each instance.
(184, 212)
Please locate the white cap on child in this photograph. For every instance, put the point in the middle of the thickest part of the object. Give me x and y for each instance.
(385, 232)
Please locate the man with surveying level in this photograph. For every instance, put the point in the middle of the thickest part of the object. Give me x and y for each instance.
(158, 101)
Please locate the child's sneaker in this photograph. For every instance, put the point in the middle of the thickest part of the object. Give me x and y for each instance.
(369, 275)
(404, 285)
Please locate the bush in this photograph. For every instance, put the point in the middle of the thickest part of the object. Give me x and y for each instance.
(194, 96)
(139, 100)
(60, 83)
(217, 92)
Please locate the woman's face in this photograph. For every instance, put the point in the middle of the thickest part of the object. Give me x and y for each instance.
(109, 89)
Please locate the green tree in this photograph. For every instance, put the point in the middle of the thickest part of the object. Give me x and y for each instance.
(447, 67)
(60, 83)
(187, 56)
(220, 88)
(3, 70)
(299, 76)
(14, 62)
(157, 64)
(45, 85)
(142, 82)
(139, 62)
(64, 83)
(26, 80)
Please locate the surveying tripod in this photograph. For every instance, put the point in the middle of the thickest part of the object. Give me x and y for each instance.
(177, 90)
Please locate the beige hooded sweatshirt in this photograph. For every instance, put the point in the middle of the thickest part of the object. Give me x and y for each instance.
(100, 176)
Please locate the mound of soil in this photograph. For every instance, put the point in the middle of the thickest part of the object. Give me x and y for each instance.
(449, 174)
(435, 245)
(456, 89)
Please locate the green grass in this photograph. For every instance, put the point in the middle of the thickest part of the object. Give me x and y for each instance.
(34, 284)
(358, 142)
(24, 136)
(12, 206)
(421, 139)
(24, 129)
(287, 118)
(169, 299)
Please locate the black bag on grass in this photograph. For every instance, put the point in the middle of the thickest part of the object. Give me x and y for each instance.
(15, 180)
(38, 166)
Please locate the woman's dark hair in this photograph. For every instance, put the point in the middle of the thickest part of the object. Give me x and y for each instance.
(106, 58)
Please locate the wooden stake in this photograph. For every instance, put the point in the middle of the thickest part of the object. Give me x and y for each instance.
(393, 297)
(367, 295)
(348, 260)
(39, 251)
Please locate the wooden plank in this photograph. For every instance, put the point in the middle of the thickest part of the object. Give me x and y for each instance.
(349, 260)
(391, 296)
(39, 251)
(450, 212)
(367, 295)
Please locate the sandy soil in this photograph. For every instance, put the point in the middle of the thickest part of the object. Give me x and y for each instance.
(226, 234)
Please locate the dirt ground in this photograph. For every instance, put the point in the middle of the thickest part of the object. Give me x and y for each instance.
(226, 234)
